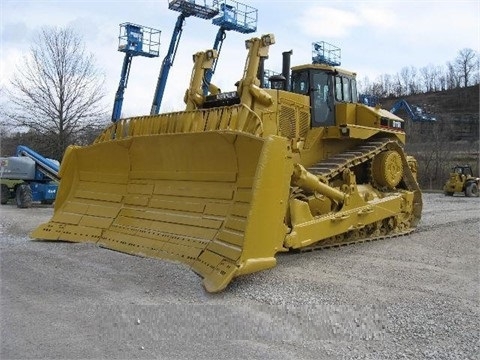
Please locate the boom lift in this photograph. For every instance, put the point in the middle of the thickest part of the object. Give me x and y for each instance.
(415, 113)
(186, 8)
(235, 16)
(28, 177)
(326, 53)
(134, 40)
(242, 175)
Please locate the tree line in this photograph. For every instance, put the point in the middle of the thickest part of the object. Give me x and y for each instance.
(463, 71)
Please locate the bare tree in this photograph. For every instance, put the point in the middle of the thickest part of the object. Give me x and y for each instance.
(466, 65)
(408, 81)
(440, 78)
(387, 81)
(383, 86)
(428, 74)
(414, 86)
(453, 80)
(57, 92)
(431, 144)
(364, 86)
(397, 85)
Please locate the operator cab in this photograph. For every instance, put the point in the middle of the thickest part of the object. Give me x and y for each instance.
(326, 86)
(463, 170)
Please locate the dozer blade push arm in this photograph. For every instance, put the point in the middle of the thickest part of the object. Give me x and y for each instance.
(203, 61)
(308, 181)
(248, 88)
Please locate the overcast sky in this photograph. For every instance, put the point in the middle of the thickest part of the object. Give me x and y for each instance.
(375, 37)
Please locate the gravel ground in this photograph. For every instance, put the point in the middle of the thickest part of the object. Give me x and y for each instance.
(413, 297)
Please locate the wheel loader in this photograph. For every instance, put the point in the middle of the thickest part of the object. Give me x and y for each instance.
(461, 180)
(242, 175)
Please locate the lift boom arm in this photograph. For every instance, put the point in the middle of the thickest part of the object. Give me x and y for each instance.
(167, 64)
(117, 105)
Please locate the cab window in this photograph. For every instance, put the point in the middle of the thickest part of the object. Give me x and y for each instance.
(354, 90)
(321, 99)
(300, 83)
(345, 89)
(338, 88)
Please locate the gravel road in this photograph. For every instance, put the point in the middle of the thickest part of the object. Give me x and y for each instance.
(412, 297)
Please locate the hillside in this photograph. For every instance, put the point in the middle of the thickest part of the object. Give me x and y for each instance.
(456, 110)
(453, 138)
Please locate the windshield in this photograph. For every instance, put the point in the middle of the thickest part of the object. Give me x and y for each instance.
(300, 83)
(322, 99)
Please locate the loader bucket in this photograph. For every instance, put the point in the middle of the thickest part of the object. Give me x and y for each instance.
(215, 200)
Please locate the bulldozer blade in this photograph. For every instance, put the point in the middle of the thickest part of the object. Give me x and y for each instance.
(215, 201)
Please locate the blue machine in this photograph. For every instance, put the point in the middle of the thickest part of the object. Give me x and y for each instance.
(416, 113)
(186, 8)
(232, 16)
(134, 40)
(35, 178)
(325, 53)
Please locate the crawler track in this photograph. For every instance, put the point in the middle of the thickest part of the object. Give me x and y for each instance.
(390, 227)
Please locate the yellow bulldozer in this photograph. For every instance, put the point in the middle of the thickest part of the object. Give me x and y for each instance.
(239, 176)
